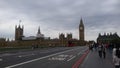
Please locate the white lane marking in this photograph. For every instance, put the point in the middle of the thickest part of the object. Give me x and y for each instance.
(61, 57)
(71, 58)
(1, 59)
(19, 56)
(57, 58)
(82, 52)
(39, 58)
(6, 54)
(25, 55)
(79, 53)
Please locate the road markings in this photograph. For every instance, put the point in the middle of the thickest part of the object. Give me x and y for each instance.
(25, 55)
(39, 58)
(61, 57)
(82, 52)
(1, 59)
(56, 58)
(71, 58)
(6, 54)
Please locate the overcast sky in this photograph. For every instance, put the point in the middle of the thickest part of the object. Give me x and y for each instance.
(59, 16)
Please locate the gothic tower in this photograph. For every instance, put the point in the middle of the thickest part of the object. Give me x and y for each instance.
(39, 30)
(81, 31)
(18, 32)
(69, 36)
(39, 35)
(61, 36)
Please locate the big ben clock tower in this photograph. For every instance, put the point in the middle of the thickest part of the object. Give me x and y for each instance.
(81, 31)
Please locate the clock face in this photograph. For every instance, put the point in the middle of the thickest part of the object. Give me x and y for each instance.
(81, 28)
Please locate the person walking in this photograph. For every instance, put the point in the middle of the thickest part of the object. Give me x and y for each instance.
(116, 58)
(100, 50)
(91, 47)
(114, 51)
(104, 51)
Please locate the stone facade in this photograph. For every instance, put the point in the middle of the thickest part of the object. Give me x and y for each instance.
(18, 32)
(2, 42)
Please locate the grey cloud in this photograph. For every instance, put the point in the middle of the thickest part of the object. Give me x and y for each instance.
(66, 14)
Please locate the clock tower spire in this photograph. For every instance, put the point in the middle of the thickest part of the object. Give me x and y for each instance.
(81, 31)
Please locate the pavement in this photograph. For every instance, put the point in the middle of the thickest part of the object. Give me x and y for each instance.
(93, 60)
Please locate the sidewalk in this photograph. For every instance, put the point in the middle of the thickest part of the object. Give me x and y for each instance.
(94, 61)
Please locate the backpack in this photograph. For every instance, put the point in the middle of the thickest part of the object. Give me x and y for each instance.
(118, 52)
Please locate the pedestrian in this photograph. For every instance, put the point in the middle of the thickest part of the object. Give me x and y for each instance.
(104, 51)
(114, 51)
(116, 58)
(33, 46)
(100, 50)
(95, 46)
(91, 47)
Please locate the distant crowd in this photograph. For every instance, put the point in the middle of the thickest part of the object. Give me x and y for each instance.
(101, 48)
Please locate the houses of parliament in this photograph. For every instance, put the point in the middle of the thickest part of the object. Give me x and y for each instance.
(41, 40)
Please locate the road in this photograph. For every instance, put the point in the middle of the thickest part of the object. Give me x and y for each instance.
(57, 57)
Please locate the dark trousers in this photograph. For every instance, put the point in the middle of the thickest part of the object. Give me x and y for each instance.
(104, 54)
(117, 66)
(100, 54)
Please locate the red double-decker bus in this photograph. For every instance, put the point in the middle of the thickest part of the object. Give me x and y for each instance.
(70, 44)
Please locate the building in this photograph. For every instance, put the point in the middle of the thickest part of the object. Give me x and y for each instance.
(64, 40)
(19, 32)
(81, 32)
(40, 39)
(39, 36)
(107, 38)
(2, 42)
